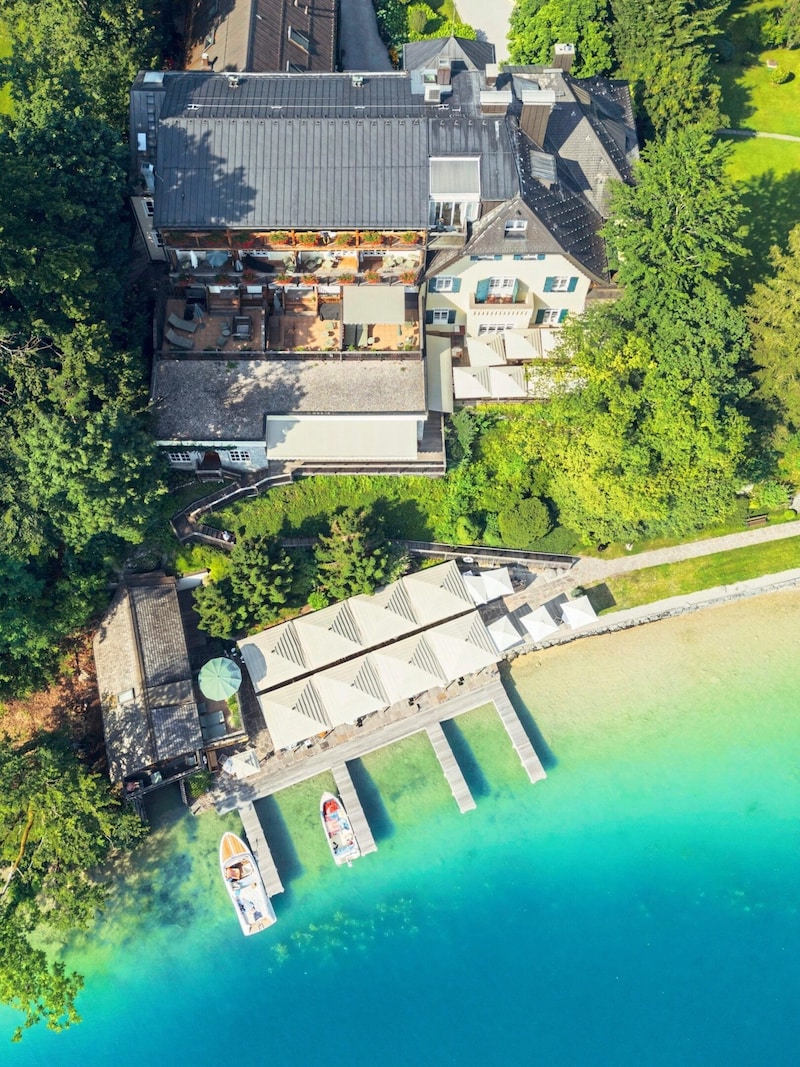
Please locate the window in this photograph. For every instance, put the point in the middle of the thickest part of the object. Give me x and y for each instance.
(179, 457)
(441, 315)
(550, 316)
(515, 228)
(536, 255)
(236, 455)
(476, 258)
(445, 283)
(501, 286)
(494, 327)
(299, 39)
(149, 206)
(560, 284)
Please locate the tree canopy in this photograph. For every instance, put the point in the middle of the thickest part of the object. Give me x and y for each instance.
(356, 557)
(537, 25)
(58, 823)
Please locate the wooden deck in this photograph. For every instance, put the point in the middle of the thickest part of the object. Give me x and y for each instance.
(257, 840)
(358, 820)
(274, 777)
(519, 739)
(452, 771)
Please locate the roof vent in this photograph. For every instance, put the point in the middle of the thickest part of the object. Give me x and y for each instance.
(357, 81)
(433, 94)
(234, 81)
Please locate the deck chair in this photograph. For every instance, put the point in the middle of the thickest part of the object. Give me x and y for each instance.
(242, 327)
(186, 343)
(182, 324)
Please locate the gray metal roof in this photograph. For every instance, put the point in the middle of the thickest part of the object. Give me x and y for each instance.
(423, 55)
(373, 303)
(214, 401)
(456, 177)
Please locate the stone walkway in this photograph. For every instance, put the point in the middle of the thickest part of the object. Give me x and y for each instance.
(591, 570)
(760, 133)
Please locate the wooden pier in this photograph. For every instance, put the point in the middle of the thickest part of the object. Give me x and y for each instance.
(519, 739)
(358, 820)
(452, 771)
(257, 840)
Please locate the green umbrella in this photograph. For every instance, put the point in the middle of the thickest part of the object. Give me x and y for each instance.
(219, 679)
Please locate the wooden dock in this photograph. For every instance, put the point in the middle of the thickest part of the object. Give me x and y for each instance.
(257, 840)
(358, 820)
(449, 764)
(519, 739)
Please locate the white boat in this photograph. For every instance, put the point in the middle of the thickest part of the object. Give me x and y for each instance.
(245, 886)
(336, 824)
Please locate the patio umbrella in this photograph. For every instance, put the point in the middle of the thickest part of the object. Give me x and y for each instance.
(216, 259)
(219, 679)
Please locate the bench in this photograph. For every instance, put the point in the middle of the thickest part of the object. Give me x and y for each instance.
(756, 520)
(188, 325)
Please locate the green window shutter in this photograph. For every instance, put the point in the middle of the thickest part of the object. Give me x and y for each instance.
(573, 285)
(548, 285)
(539, 317)
(515, 291)
(451, 317)
(456, 285)
(499, 256)
(517, 257)
(482, 291)
(428, 318)
(563, 315)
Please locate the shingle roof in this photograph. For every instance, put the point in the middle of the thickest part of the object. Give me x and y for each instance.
(140, 648)
(210, 400)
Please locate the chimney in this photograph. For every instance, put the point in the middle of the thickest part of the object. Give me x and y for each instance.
(536, 107)
(443, 71)
(563, 57)
(492, 74)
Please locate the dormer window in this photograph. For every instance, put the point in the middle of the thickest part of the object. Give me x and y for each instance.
(515, 228)
(300, 39)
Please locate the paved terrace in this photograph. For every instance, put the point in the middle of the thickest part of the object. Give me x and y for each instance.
(383, 728)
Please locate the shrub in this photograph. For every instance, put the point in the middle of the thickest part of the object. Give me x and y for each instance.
(779, 75)
(199, 783)
(419, 16)
(769, 494)
(524, 523)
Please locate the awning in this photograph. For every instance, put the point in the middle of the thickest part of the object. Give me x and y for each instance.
(374, 303)
(439, 374)
(324, 438)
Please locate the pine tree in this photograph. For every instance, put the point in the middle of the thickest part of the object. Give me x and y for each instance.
(355, 557)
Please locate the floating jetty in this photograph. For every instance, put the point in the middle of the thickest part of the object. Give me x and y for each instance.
(515, 730)
(452, 771)
(358, 820)
(257, 840)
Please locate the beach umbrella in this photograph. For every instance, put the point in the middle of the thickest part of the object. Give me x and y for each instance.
(219, 679)
(216, 259)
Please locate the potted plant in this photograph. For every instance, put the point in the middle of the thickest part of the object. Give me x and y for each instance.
(282, 279)
(370, 237)
(347, 279)
(372, 277)
(309, 279)
(410, 238)
(249, 275)
(307, 239)
(408, 277)
(279, 237)
(344, 240)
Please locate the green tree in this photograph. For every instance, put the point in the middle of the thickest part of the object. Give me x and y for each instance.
(260, 583)
(355, 557)
(665, 51)
(537, 25)
(57, 824)
(679, 226)
(773, 311)
(635, 448)
(522, 524)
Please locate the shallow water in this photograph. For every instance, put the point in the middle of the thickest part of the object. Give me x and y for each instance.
(638, 907)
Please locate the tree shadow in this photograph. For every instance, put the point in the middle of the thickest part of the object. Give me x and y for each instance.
(601, 598)
(280, 841)
(405, 517)
(772, 205)
(465, 758)
(371, 801)
(534, 734)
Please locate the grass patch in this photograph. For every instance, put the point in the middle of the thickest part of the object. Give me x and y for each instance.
(757, 156)
(706, 572)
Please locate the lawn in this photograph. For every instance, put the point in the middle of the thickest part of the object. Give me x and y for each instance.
(692, 575)
(749, 99)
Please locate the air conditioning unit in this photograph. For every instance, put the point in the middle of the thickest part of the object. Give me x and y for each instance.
(433, 94)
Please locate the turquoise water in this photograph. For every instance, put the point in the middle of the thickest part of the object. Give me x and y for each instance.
(638, 907)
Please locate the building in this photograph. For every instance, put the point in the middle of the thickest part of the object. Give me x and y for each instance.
(150, 717)
(349, 254)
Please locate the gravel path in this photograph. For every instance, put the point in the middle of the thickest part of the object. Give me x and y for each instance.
(760, 133)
